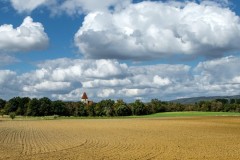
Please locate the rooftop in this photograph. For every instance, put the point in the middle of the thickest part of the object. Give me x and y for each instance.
(84, 96)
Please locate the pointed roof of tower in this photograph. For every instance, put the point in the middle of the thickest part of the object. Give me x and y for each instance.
(84, 96)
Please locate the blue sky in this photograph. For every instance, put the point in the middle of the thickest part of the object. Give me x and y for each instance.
(119, 49)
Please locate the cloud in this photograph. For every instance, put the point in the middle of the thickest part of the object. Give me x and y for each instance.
(220, 3)
(55, 78)
(68, 69)
(219, 76)
(114, 29)
(105, 93)
(223, 70)
(73, 95)
(106, 83)
(6, 76)
(6, 59)
(236, 79)
(27, 37)
(30, 5)
(71, 7)
(7, 85)
(132, 92)
(125, 30)
(105, 68)
(48, 86)
(161, 81)
(66, 79)
(142, 31)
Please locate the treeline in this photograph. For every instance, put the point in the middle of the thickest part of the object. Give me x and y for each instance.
(45, 107)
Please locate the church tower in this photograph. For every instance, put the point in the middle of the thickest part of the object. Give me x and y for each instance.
(84, 98)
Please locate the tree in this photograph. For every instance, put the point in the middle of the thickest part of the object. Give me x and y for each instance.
(216, 106)
(76, 109)
(90, 109)
(156, 106)
(25, 101)
(204, 106)
(45, 107)
(139, 108)
(33, 107)
(70, 107)
(223, 101)
(2, 103)
(22, 105)
(59, 108)
(81, 109)
(232, 101)
(238, 101)
(105, 108)
(238, 108)
(12, 105)
(179, 107)
(122, 109)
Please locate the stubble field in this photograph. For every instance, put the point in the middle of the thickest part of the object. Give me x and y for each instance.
(155, 138)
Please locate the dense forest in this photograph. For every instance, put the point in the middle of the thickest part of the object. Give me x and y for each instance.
(44, 107)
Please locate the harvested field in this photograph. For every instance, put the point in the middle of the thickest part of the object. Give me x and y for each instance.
(157, 138)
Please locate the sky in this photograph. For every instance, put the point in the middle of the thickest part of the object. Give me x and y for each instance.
(119, 49)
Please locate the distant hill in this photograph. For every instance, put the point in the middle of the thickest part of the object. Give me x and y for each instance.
(198, 99)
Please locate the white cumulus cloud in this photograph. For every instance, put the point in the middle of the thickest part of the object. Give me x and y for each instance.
(46, 86)
(6, 76)
(149, 30)
(163, 81)
(106, 93)
(236, 79)
(71, 7)
(106, 83)
(28, 36)
(30, 5)
(6, 59)
(220, 70)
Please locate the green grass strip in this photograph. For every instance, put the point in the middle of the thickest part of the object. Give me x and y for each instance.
(156, 115)
(188, 114)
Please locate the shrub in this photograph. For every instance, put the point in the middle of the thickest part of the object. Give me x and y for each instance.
(55, 116)
(2, 112)
(12, 115)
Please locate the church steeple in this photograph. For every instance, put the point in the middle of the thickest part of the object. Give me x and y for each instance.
(85, 98)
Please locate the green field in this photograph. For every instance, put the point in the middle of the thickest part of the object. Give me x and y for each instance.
(188, 114)
(156, 115)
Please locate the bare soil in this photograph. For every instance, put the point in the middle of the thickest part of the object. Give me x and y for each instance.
(157, 138)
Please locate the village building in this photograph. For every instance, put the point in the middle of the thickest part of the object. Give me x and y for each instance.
(85, 99)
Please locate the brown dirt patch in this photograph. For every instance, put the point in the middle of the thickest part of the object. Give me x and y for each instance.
(159, 138)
